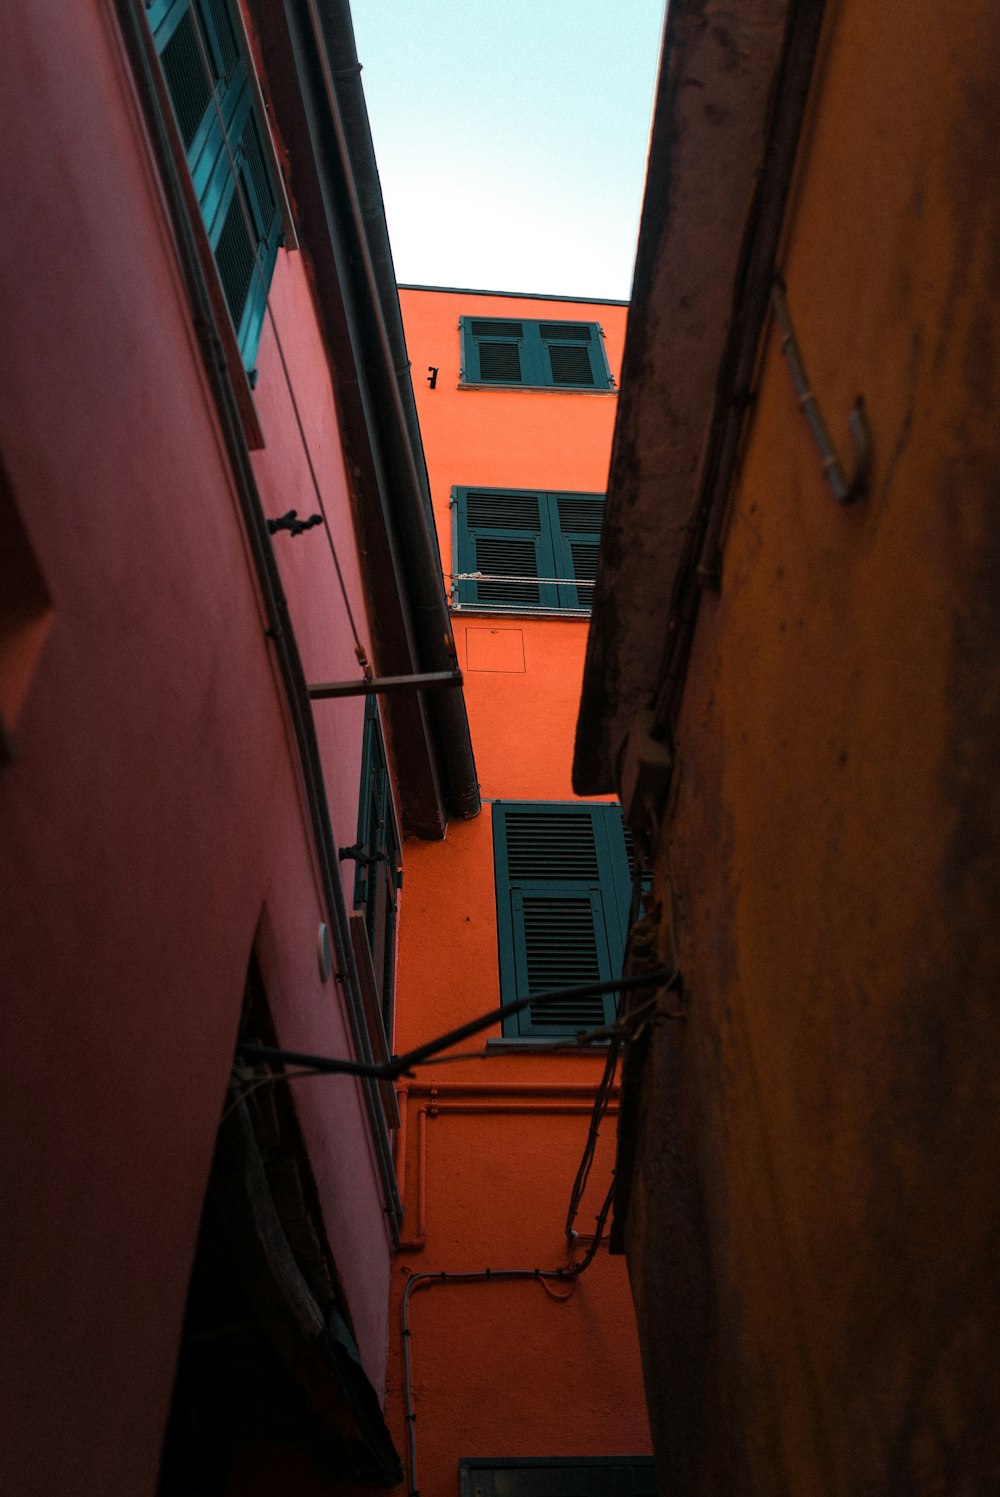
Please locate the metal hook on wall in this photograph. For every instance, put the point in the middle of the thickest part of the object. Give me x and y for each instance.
(845, 488)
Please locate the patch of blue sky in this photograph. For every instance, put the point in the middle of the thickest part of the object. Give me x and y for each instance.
(511, 137)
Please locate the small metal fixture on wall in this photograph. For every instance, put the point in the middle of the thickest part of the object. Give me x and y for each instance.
(290, 521)
(845, 488)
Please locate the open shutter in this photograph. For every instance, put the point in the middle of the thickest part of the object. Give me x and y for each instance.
(209, 86)
(535, 355)
(576, 527)
(260, 222)
(503, 536)
(560, 879)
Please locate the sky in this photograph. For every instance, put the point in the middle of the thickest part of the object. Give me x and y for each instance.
(511, 138)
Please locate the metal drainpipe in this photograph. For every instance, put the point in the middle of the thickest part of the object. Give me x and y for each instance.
(272, 595)
(333, 37)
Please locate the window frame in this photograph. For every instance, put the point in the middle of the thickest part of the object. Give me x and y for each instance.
(233, 122)
(536, 368)
(559, 589)
(558, 1476)
(608, 895)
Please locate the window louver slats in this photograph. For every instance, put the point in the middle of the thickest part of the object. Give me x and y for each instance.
(570, 364)
(534, 355)
(210, 87)
(506, 558)
(500, 363)
(235, 257)
(580, 512)
(561, 951)
(563, 531)
(550, 844)
(578, 332)
(504, 511)
(262, 194)
(481, 329)
(187, 83)
(584, 555)
(222, 26)
(562, 909)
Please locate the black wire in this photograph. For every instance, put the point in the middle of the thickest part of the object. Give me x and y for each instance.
(601, 1103)
(603, 1098)
(390, 1070)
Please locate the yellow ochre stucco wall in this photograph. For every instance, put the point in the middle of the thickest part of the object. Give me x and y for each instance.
(814, 1227)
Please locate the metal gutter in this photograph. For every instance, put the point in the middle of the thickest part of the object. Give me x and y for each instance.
(586, 301)
(398, 428)
(279, 630)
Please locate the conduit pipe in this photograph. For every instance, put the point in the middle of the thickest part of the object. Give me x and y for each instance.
(564, 1276)
(569, 1099)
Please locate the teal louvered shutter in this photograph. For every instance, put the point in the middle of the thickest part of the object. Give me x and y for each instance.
(259, 224)
(570, 354)
(576, 530)
(210, 89)
(502, 536)
(562, 910)
(507, 351)
(493, 351)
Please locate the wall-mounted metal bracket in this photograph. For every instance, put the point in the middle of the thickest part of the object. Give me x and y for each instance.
(361, 855)
(385, 684)
(845, 489)
(291, 522)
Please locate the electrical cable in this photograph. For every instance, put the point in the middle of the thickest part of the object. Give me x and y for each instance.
(568, 1274)
(628, 1028)
(601, 1101)
(399, 1065)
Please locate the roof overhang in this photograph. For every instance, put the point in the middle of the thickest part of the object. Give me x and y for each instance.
(729, 103)
(314, 87)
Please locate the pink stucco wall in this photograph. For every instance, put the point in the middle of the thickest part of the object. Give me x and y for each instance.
(153, 817)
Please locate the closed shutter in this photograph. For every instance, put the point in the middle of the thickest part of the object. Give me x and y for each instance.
(189, 88)
(503, 535)
(562, 909)
(534, 355)
(568, 348)
(496, 352)
(577, 523)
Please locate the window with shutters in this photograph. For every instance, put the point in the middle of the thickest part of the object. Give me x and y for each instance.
(524, 354)
(525, 551)
(581, 1476)
(563, 890)
(199, 44)
(377, 861)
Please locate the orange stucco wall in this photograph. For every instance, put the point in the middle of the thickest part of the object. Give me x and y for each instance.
(835, 843)
(487, 1159)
